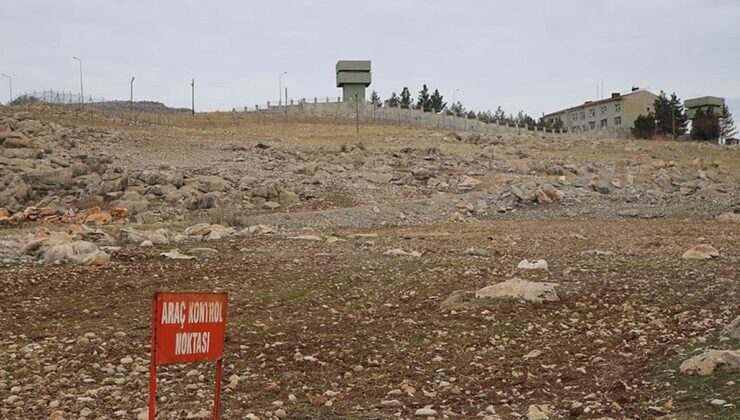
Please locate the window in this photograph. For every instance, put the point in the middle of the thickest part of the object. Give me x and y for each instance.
(591, 112)
(574, 128)
(617, 120)
(584, 127)
(583, 115)
(574, 116)
(618, 107)
(603, 110)
(592, 125)
(603, 123)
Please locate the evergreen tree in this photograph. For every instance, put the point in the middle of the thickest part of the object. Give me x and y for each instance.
(727, 124)
(499, 115)
(405, 98)
(393, 101)
(644, 126)
(457, 109)
(705, 126)
(437, 101)
(669, 112)
(424, 102)
(471, 115)
(486, 117)
(375, 99)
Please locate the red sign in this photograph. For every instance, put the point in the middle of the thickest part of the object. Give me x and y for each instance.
(186, 328)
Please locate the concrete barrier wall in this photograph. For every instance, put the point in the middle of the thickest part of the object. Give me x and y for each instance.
(303, 111)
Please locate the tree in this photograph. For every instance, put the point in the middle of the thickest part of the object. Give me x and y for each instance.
(393, 101)
(437, 102)
(670, 113)
(705, 126)
(424, 101)
(727, 128)
(499, 115)
(486, 117)
(470, 115)
(457, 109)
(375, 99)
(405, 98)
(644, 126)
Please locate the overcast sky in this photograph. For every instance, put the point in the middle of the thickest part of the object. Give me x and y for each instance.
(538, 56)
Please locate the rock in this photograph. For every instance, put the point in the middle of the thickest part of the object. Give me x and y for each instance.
(208, 232)
(538, 412)
(701, 252)
(422, 174)
(202, 252)
(542, 197)
(553, 193)
(128, 235)
(271, 205)
(518, 193)
(146, 244)
(113, 182)
(601, 186)
(476, 252)
(520, 289)
(468, 183)
(309, 168)
(175, 254)
(729, 217)
(398, 252)
(307, 238)
(426, 411)
(597, 253)
(532, 265)
(712, 361)
(376, 178)
(732, 330)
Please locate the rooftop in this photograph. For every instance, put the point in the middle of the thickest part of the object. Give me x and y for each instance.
(615, 97)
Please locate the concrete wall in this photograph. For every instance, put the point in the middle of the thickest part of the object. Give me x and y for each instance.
(306, 111)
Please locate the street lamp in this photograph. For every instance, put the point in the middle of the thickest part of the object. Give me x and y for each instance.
(132, 94)
(280, 88)
(10, 81)
(453, 98)
(82, 91)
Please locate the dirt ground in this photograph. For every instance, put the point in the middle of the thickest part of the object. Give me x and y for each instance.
(339, 329)
(373, 328)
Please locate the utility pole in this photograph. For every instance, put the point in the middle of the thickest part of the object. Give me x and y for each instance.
(132, 94)
(286, 104)
(82, 90)
(10, 81)
(454, 111)
(357, 113)
(192, 85)
(280, 88)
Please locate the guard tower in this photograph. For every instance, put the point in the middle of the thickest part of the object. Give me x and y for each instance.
(705, 103)
(353, 76)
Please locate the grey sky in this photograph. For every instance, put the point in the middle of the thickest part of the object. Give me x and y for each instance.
(538, 56)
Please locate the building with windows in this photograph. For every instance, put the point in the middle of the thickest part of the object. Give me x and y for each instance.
(612, 116)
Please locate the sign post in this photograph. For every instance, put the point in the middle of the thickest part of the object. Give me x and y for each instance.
(187, 328)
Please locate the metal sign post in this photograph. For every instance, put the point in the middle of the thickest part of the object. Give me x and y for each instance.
(187, 328)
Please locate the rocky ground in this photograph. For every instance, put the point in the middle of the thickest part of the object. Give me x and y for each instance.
(370, 276)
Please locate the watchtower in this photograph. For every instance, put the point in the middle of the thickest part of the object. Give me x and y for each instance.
(353, 76)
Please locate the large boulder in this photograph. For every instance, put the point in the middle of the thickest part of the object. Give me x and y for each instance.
(701, 252)
(132, 236)
(112, 182)
(520, 289)
(712, 361)
(208, 232)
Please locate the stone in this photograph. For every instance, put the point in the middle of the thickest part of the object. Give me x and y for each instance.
(712, 361)
(729, 217)
(701, 252)
(520, 289)
(468, 182)
(307, 238)
(175, 254)
(477, 252)
(538, 412)
(146, 244)
(398, 252)
(426, 411)
(732, 330)
(422, 174)
(553, 193)
(376, 178)
(532, 265)
(542, 197)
